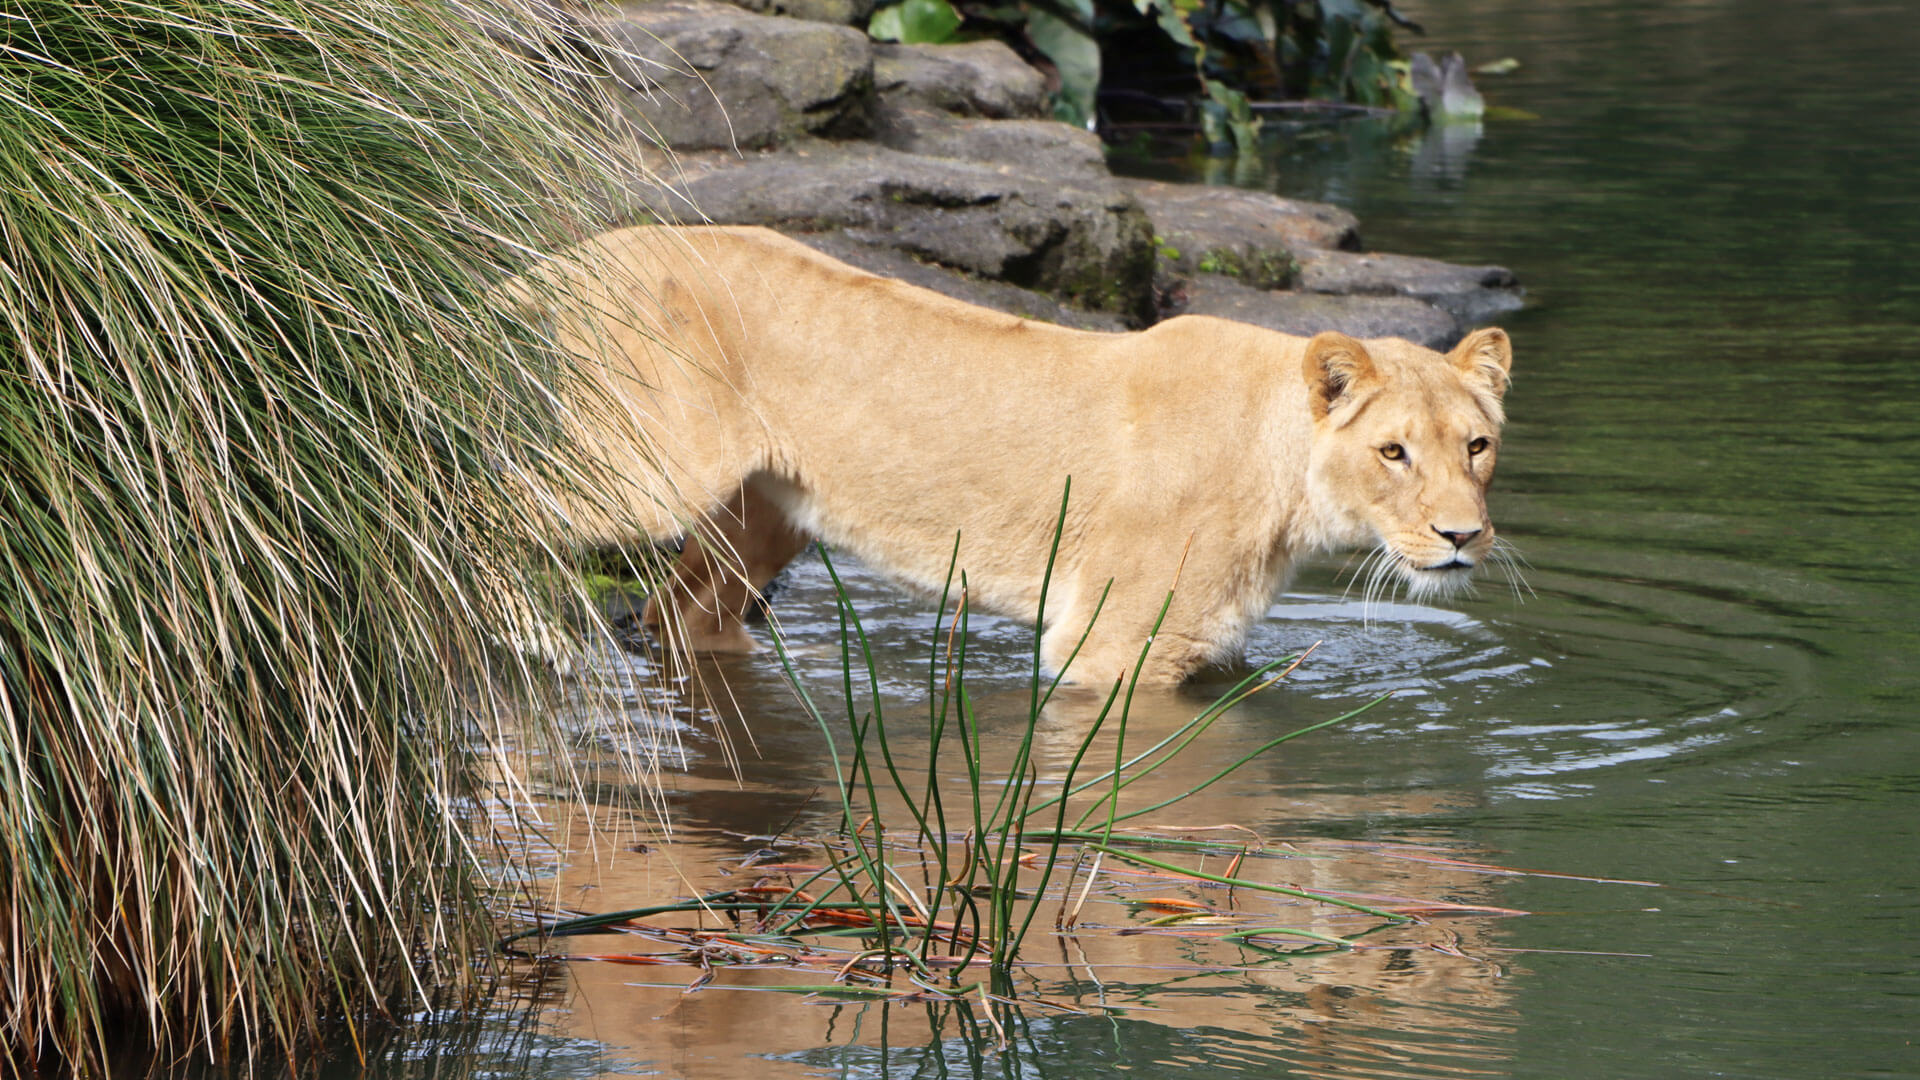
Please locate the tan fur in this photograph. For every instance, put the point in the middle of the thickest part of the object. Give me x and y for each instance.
(785, 395)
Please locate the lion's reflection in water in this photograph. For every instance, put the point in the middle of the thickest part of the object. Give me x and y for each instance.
(1411, 999)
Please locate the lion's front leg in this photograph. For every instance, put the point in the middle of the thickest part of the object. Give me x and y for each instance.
(1109, 656)
(720, 573)
(1111, 648)
(1204, 623)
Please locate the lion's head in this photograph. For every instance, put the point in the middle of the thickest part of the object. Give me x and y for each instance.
(1403, 449)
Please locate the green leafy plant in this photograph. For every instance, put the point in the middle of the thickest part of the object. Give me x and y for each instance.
(266, 443)
(1243, 51)
(1229, 55)
(915, 22)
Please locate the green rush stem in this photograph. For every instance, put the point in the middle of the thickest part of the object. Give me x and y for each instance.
(1099, 606)
(1018, 794)
(977, 841)
(840, 785)
(589, 923)
(825, 990)
(1315, 935)
(1005, 889)
(1223, 773)
(1255, 886)
(1009, 895)
(846, 882)
(937, 718)
(878, 723)
(1040, 616)
(781, 904)
(1126, 707)
(1053, 849)
(871, 867)
(1190, 730)
(1203, 846)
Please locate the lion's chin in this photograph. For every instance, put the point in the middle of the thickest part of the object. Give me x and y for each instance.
(1440, 580)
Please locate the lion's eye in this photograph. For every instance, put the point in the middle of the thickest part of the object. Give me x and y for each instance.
(1478, 446)
(1393, 451)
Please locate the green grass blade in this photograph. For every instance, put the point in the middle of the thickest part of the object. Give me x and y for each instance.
(1242, 883)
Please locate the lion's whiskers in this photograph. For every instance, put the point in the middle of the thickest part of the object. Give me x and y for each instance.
(1509, 559)
(1384, 574)
(1361, 577)
(1355, 576)
(1383, 568)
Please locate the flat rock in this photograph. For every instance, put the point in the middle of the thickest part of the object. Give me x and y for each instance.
(843, 12)
(975, 78)
(1252, 236)
(703, 74)
(998, 295)
(1020, 143)
(1081, 239)
(1304, 313)
(1472, 294)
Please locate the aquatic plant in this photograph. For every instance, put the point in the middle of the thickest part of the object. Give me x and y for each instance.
(996, 828)
(947, 898)
(261, 430)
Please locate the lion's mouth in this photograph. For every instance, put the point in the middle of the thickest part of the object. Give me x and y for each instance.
(1436, 579)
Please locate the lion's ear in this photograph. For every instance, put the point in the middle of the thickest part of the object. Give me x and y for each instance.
(1485, 356)
(1334, 365)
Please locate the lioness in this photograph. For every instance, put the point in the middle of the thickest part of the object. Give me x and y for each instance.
(781, 395)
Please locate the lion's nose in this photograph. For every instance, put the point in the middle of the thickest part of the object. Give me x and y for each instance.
(1460, 539)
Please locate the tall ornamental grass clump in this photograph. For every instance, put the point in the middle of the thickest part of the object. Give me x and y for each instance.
(260, 432)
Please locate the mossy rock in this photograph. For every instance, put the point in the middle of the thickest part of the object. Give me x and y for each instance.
(1077, 237)
(1255, 238)
(1259, 269)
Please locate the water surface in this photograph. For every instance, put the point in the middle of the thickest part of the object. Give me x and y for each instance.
(1713, 469)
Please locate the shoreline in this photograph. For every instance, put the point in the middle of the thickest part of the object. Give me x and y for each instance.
(938, 165)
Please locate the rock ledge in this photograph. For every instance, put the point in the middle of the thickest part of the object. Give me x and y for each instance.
(933, 164)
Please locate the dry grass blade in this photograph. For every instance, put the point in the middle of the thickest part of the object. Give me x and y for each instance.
(263, 435)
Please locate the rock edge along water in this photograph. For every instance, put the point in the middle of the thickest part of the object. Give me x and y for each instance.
(935, 164)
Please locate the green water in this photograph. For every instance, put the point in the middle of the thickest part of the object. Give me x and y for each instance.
(1713, 469)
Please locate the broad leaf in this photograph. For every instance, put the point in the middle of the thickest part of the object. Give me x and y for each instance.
(1075, 53)
(915, 22)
